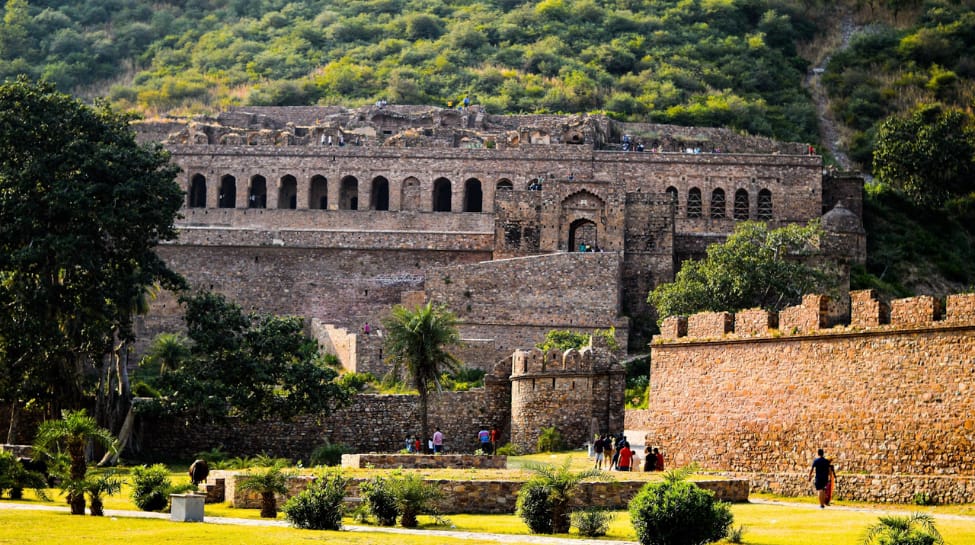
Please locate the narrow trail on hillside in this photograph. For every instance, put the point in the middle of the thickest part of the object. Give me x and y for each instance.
(829, 133)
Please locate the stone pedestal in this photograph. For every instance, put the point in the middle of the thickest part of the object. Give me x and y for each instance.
(186, 507)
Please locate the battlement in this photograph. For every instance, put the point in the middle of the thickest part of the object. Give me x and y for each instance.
(553, 362)
(811, 317)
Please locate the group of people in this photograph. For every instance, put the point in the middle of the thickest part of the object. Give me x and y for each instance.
(614, 452)
(434, 444)
(487, 441)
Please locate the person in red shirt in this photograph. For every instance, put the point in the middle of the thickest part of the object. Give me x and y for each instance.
(625, 459)
(495, 437)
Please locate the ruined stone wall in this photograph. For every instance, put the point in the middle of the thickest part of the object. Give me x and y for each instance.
(888, 399)
(371, 423)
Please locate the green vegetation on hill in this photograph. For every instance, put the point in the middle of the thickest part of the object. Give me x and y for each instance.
(705, 62)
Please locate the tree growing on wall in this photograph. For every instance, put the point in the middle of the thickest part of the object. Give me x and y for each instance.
(417, 342)
(251, 366)
(82, 207)
(755, 267)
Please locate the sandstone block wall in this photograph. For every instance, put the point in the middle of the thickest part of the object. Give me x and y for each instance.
(893, 399)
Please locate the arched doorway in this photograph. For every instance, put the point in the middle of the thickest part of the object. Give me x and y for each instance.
(473, 197)
(318, 193)
(349, 193)
(288, 192)
(258, 192)
(380, 194)
(228, 192)
(583, 236)
(198, 191)
(441, 195)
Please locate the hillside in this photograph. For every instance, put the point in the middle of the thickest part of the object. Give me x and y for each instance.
(826, 73)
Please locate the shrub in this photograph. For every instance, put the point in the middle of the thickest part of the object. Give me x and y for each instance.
(318, 507)
(329, 454)
(914, 529)
(534, 508)
(151, 487)
(678, 512)
(413, 496)
(380, 501)
(550, 440)
(923, 498)
(592, 522)
(509, 449)
(15, 477)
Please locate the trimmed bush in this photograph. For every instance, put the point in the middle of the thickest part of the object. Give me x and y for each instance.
(380, 501)
(318, 507)
(534, 507)
(151, 487)
(329, 455)
(678, 512)
(592, 522)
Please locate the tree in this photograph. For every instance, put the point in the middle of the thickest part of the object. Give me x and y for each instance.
(416, 341)
(83, 206)
(914, 529)
(71, 434)
(928, 154)
(549, 492)
(755, 267)
(252, 366)
(267, 482)
(678, 512)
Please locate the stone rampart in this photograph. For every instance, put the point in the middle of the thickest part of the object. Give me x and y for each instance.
(875, 488)
(889, 399)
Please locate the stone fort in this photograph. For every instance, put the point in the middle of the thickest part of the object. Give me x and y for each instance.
(338, 214)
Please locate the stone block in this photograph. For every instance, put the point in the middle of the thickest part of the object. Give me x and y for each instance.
(673, 327)
(960, 308)
(755, 321)
(866, 310)
(709, 324)
(923, 309)
(186, 507)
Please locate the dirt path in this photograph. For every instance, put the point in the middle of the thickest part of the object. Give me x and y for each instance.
(829, 133)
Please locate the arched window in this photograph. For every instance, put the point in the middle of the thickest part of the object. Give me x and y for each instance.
(741, 205)
(765, 205)
(288, 192)
(228, 192)
(472, 195)
(672, 193)
(717, 204)
(694, 203)
(380, 194)
(318, 193)
(441, 195)
(198, 191)
(258, 193)
(349, 193)
(504, 184)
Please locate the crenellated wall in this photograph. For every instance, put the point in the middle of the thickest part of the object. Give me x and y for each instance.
(882, 397)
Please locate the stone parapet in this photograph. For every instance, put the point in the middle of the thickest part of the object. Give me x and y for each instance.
(673, 327)
(960, 308)
(810, 315)
(710, 324)
(755, 321)
(424, 461)
(919, 310)
(866, 310)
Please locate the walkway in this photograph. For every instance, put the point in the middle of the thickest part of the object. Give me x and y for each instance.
(500, 538)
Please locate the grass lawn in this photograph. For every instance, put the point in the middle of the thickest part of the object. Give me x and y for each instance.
(788, 522)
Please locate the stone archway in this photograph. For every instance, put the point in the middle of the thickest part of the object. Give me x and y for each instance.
(583, 220)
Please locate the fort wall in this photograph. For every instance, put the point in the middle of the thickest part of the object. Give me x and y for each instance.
(881, 398)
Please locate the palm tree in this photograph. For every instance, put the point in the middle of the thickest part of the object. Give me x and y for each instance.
(417, 340)
(561, 485)
(72, 433)
(97, 485)
(169, 351)
(267, 483)
(914, 529)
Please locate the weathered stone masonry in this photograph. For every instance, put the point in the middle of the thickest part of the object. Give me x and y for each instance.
(892, 400)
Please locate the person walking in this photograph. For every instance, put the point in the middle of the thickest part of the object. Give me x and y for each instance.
(438, 442)
(821, 473)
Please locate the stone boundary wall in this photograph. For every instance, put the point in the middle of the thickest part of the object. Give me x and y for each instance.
(882, 400)
(499, 496)
(423, 461)
(868, 487)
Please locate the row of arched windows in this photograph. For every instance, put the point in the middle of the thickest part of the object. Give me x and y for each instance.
(718, 205)
(286, 195)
